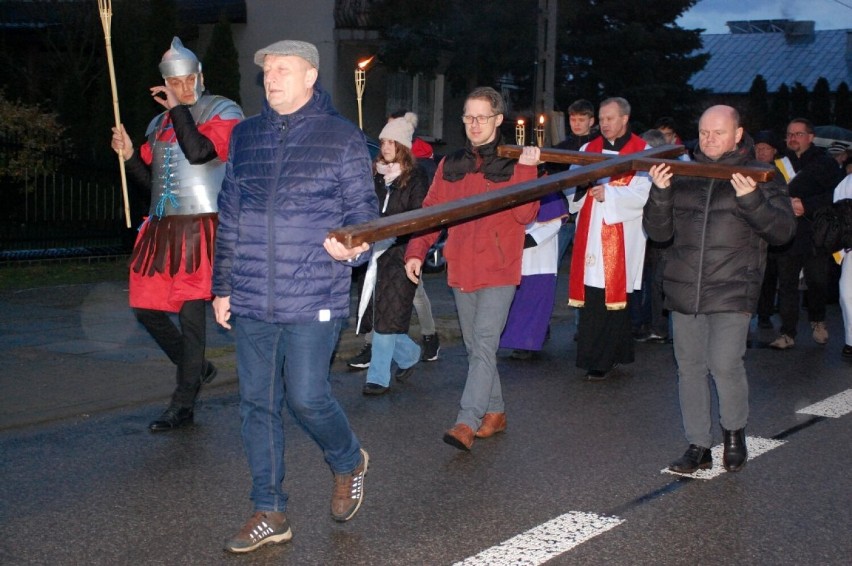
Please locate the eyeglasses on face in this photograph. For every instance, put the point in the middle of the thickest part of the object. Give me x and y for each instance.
(796, 134)
(468, 119)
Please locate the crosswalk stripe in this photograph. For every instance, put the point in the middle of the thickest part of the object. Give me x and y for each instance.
(833, 407)
(755, 444)
(546, 541)
(557, 536)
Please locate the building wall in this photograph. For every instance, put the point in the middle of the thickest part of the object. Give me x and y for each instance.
(269, 21)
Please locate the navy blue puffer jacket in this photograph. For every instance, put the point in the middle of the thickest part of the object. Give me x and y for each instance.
(289, 180)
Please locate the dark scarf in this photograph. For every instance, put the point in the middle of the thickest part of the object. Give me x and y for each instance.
(479, 159)
(618, 143)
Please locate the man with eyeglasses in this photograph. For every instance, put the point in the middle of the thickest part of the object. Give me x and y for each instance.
(483, 258)
(811, 188)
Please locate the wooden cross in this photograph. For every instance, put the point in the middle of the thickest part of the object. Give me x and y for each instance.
(594, 166)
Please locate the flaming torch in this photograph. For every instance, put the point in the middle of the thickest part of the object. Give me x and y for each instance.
(520, 132)
(360, 82)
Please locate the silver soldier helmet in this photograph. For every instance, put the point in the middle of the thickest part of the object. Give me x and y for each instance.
(179, 61)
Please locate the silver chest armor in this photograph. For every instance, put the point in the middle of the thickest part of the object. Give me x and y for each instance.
(179, 188)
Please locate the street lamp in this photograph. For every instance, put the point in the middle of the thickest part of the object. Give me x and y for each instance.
(360, 82)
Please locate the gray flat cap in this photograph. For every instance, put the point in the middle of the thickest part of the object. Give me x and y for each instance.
(303, 49)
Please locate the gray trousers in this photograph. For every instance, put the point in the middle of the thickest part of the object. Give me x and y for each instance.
(482, 316)
(713, 344)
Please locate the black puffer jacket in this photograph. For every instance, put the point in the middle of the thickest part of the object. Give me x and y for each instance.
(718, 253)
(389, 310)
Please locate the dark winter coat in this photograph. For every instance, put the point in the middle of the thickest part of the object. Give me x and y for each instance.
(389, 311)
(289, 180)
(816, 176)
(716, 260)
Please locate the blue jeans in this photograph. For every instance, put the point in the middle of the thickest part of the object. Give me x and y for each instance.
(389, 348)
(288, 363)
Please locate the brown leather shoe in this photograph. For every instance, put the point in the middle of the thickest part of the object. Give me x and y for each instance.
(460, 436)
(492, 423)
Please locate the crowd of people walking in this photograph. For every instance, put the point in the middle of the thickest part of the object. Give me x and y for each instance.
(242, 208)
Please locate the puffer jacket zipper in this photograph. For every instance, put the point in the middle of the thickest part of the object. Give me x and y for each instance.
(702, 247)
(270, 220)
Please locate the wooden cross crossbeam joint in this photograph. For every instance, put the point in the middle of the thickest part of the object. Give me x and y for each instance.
(688, 168)
(594, 166)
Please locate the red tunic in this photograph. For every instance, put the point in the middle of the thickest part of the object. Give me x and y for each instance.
(172, 259)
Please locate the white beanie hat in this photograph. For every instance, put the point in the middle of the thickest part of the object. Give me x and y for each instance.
(400, 129)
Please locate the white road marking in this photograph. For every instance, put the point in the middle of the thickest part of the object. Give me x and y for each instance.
(544, 542)
(559, 535)
(755, 444)
(833, 407)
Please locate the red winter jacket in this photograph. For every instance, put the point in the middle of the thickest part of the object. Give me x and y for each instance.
(485, 252)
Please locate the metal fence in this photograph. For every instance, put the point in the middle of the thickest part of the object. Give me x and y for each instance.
(57, 197)
(55, 206)
(59, 215)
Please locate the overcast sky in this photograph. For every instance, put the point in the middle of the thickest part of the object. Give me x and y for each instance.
(712, 14)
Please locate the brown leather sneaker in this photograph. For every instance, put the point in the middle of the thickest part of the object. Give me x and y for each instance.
(263, 527)
(460, 436)
(492, 423)
(348, 492)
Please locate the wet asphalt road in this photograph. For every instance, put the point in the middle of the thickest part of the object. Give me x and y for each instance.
(98, 488)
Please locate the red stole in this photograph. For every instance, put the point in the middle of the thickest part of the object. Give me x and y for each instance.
(612, 241)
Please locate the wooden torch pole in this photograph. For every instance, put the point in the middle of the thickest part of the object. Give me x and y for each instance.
(105, 9)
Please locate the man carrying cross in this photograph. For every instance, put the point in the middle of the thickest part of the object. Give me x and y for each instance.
(712, 278)
(484, 258)
(609, 249)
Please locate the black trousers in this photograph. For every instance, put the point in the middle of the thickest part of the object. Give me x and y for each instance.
(769, 288)
(184, 346)
(815, 265)
(603, 336)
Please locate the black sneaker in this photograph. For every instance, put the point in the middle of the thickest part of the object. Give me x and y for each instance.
(348, 492)
(374, 389)
(402, 375)
(264, 527)
(362, 359)
(430, 345)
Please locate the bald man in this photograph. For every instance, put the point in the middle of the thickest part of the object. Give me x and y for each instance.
(712, 279)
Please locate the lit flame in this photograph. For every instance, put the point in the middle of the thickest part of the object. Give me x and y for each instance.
(520, 122)
(363, 64)
(541, 119)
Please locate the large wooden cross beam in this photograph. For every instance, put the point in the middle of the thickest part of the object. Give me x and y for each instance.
(594, 166)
